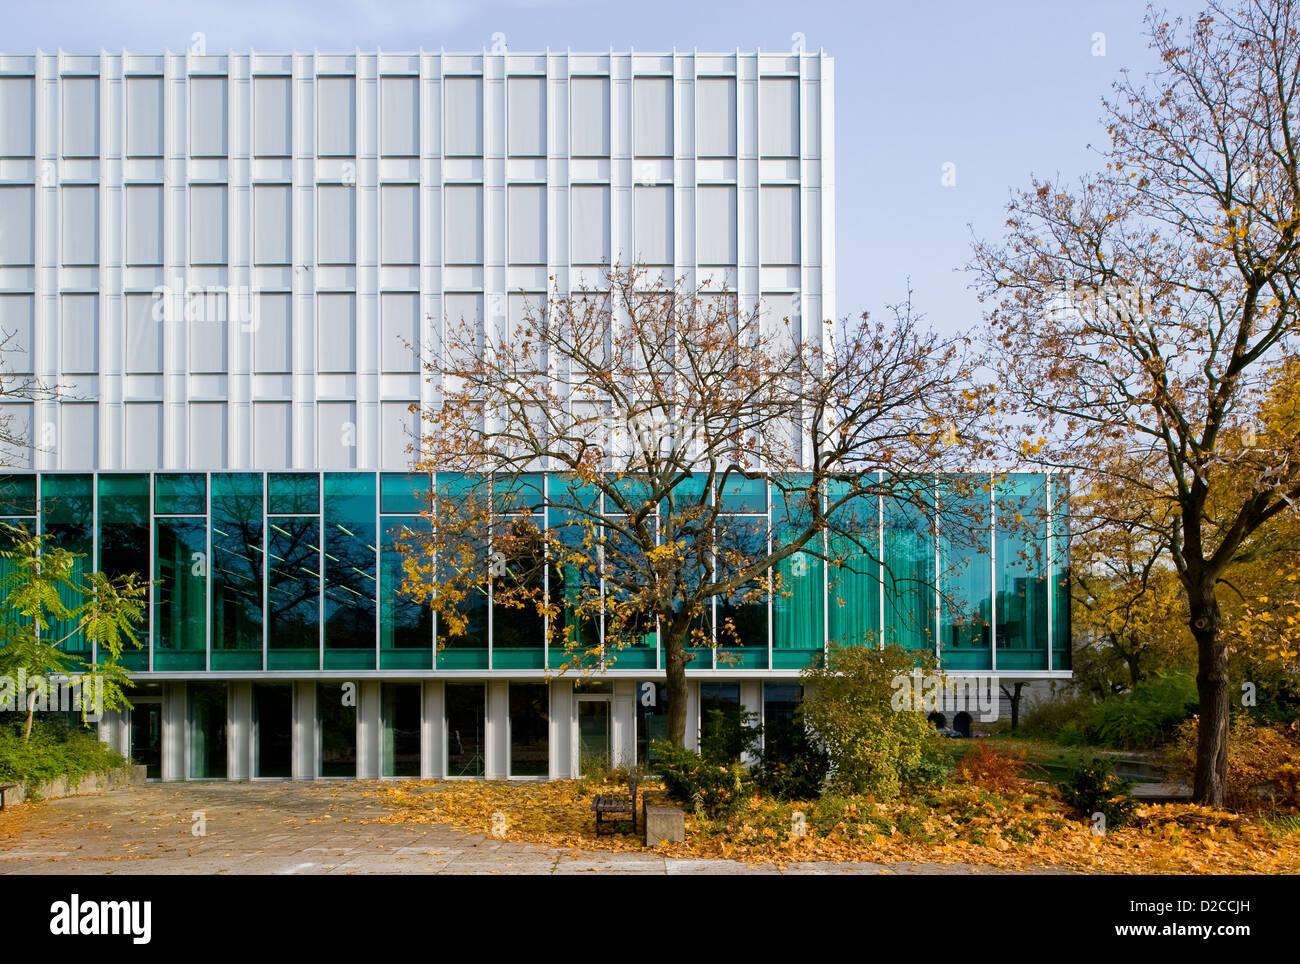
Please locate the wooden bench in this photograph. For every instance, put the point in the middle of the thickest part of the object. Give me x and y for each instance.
(612, 807)
(5, 788)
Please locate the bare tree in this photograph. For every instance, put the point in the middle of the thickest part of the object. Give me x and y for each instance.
(664, 414)
(1140, 313)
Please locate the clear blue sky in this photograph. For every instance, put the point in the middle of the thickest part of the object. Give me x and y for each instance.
(1000, 89)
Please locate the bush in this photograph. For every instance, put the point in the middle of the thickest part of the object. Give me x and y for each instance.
(709, 788)
(871, 747)
(55, 750)
(793, 768)
(1092, 787)
(992, 769)
(1263, 764)
(1148, 716)
(1065, 718)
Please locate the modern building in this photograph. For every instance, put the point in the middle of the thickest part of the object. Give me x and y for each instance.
(229, 264)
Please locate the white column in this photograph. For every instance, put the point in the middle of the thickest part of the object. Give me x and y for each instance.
(751, 701)
(433, 742)
(497, 731)
(241, 735)
(369, 727)
(174, 732)
(563, 731)
(623, 735)
(305, 765)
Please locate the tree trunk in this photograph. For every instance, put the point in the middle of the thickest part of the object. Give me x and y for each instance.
(1212, 684)
(31, 712)
(674, 643)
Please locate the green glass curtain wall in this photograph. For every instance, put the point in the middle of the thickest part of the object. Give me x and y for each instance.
(799, 594)
(965, 574)
(124, 542)
(238, 560)
(854, 613)
(180, 599)
(293, 592)
(405, 626)
(350, 587)
(909, 569)
(1022, 586)
(68, 518)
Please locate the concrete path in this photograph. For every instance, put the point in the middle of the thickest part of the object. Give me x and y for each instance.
(309, 828)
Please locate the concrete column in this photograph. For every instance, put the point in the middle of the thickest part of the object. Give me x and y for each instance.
(304, 730)
(369, 726)
(114, 728)
(563, 731)
(174, 732)
(497, 731)
(623, 724)
(241, 735)
(433, 732)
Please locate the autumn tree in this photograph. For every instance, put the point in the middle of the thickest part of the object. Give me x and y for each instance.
(1139, 313)
(663, 414)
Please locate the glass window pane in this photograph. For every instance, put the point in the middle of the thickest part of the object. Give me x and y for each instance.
(778, 122)
(1022, 585)
(965, 574)
(337, 131)
(336, 237)
(589, 117)
(67, 514)
(399, 214)
(652, 115)
(80, 116)
(80, 225)
(273, 130)
(1060, 523)
(17, 116)
(293, 494)
(79, 348)
(403, 494)
(273, 724)
(350, 588)
(909, 571)
(293, 593)
(144, 224)
(590, 223)
(144, 116)
(180, 494)
(405, 626)
(237, 557)
(399, 119)
(336, 708)
(463, 116)
(400, 712)
(17, 214)
(526, 114)
(180, 596)
(208, 224)
(529, 730)
(715, 121)
(208, 114)
(273, 213)
(207, 723)
(527, 223)
(466, 716)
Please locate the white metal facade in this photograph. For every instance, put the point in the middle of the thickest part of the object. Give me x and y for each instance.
(308, 214)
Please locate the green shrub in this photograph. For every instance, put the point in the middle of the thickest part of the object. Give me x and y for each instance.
(1092, 787)
(711, 789)
(871, 747)
(1065, 718)
(1148, 716)
(793, 767)
(55, 750)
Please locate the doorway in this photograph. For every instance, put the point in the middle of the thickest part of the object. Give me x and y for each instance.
(146, 735)
(595, 738)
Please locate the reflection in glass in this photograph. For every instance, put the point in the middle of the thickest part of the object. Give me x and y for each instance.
(465, 729)
(529, 730)
(336, 708)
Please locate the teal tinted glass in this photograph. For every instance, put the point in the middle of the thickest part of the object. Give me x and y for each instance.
(1022, 584)
(124, 499)
(237, 566)
(404, 494)
(17, 495)
(908, 572)
(965, 573)
(180, 595)
(292, 493)
(180, 494)
(350, 561)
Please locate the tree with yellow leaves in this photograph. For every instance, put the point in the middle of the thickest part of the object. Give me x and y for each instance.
(1139, 314)
(606, 464)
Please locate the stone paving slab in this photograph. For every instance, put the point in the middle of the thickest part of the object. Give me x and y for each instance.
(295, 828)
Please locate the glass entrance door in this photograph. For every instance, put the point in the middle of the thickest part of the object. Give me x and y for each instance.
(594, 738)
(146, 736)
